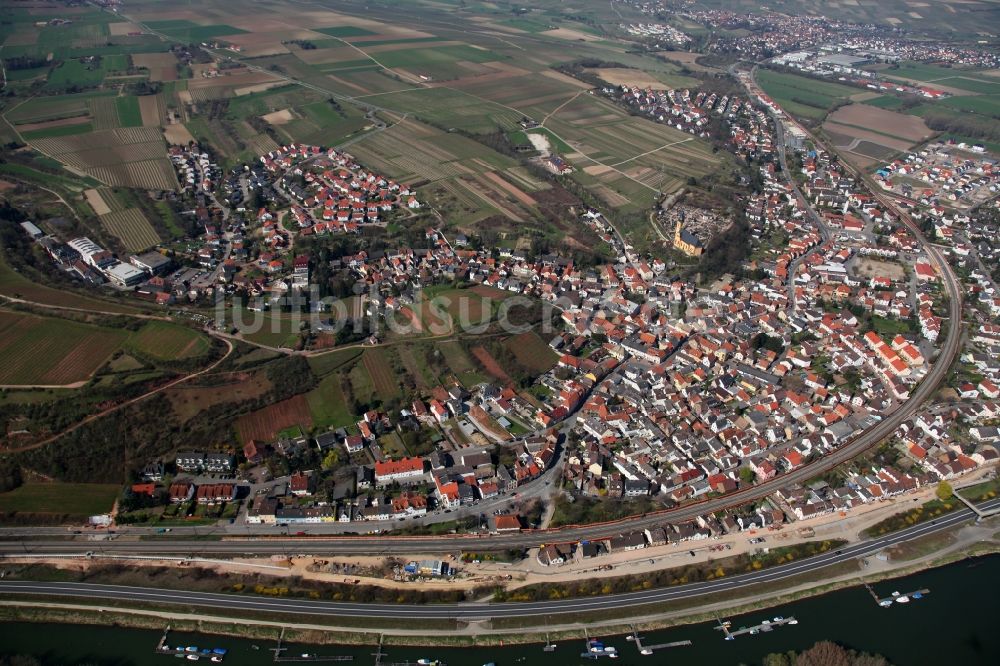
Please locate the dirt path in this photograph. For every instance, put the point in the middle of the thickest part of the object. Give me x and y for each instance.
(74, 385)
(560, 107)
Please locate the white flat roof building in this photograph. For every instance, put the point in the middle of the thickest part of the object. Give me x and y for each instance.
(125, 275)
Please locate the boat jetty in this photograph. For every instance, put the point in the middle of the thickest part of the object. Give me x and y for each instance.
(189, 652)
(380, 653)
(897, 597)
(765, 626)
(595, 649)
(305, 656)
(650, 649)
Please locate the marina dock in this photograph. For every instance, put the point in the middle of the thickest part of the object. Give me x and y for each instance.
(650, 649)
(594, 649)
(192, 653)
(765, 626)
(305, 657)
(897, 597)
(379, 653)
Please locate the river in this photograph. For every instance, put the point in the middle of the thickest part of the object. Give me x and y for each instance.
(954, 624)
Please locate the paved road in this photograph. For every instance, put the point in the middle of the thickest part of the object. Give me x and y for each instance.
(475, 610)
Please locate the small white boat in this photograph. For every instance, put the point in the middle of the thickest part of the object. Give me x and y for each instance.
(193, 657)
(885, 603)
(903, 599)
(730, 637)
(895, 594)
(778, 618)
(646, 651)
(630, 637)
(793, 622)
(217, 659)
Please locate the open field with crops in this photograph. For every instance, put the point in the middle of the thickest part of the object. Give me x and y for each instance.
(127, 156)
(264, 424)
(70, 499)
(165, 341)
(42, 350)
(385, 381)
(803, 96)
(532, 352)
(327, 405)
(132, 228)
(867, 133)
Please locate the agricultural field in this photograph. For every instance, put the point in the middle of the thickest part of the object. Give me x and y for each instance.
(128, 157)
(327, 405)
(264, 328)
(85, 72)
(383, 378)
(129, 112)
(47, 351)
(801, 95)
(973, 81)
(868, 134)
(132, 228)
(76, 500)
(532, 352)
(166, 341)
(161, 66)
(187, 31)
(265, 424)
(627, 160)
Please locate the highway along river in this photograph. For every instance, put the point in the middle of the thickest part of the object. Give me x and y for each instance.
(954, 624)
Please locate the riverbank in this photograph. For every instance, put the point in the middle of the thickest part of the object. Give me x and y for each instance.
(970, 541)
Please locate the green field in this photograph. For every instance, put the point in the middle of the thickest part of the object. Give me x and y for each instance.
(128, 111)
(802, 95)
(924, 72)
(890, 102)
(186, 31)
(324, 364)
(85, 74)
(165, 341)
(327, 404)
(61, 130)
(71, 499)
(986, 105)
